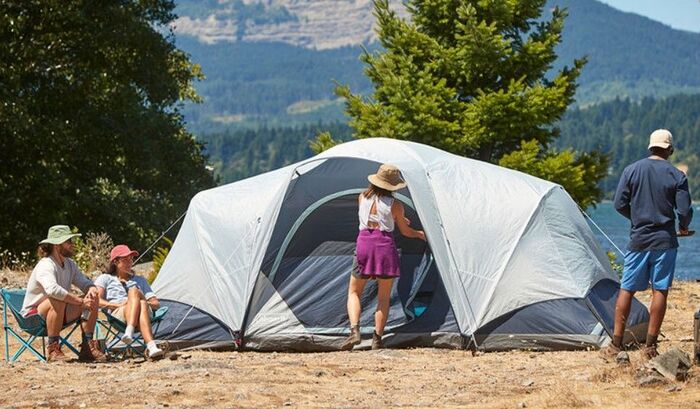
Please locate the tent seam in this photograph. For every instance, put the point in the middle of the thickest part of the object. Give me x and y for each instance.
(254, 267)
(453, 263)
(515, 246)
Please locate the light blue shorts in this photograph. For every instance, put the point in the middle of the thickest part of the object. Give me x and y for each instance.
(644, 267)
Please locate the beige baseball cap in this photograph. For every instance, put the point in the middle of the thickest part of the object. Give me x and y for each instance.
(660, 138)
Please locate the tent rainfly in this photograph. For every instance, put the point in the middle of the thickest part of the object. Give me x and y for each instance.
(510, 261)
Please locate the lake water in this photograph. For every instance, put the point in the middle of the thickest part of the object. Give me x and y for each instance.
(617, 228)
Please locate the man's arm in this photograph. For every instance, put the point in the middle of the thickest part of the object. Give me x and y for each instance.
(79, 280)
(622, 196)
(47, 279)
(92, 296)
(684, 207)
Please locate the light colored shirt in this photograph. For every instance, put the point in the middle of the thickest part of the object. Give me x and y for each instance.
(49, 279)
(383, 218)
(117, 292)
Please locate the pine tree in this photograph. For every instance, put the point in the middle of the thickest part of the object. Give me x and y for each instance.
(471, 77)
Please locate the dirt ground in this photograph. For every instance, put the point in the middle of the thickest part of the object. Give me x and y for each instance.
(418, 378)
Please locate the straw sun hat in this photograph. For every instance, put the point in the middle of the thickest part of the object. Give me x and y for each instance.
(387, 177)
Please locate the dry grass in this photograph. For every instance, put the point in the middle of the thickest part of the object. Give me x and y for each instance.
(417, 378)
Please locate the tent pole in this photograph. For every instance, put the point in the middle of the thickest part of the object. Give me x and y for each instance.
(160, 237)
(601, 231)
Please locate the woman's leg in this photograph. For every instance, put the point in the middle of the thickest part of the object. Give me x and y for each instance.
(357, 285)
(133, 307)
(145, 322)
(383, 300)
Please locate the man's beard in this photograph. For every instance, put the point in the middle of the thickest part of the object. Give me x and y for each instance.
(67, 251)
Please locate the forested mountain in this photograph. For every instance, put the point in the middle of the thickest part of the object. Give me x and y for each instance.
(276, 62)
(237, 154)
(619, 128)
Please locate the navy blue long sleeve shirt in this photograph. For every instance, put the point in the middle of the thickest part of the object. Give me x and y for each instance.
(650, 193)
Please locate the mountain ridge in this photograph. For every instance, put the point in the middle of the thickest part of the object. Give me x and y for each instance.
(267, 80)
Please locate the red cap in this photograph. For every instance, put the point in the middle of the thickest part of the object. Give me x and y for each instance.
(122, 250)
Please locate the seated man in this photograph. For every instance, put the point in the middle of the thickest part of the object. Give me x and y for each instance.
(48, 295)
(129, 297)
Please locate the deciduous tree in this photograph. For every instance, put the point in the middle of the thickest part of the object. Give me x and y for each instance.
(90, 129)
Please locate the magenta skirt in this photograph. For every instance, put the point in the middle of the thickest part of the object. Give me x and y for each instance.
(376, 255)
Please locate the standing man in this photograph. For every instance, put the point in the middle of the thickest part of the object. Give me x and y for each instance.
(650, 193)
(48, 294)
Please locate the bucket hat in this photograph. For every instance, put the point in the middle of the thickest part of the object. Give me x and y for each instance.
(387, 177)
(59, 234)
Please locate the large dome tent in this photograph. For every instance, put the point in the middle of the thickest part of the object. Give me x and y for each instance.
(510, 261)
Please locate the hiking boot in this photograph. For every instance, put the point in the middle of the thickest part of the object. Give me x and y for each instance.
(54, 353)
(649, 352)
(353, 339)
(376, 341)
(610, 352)
(90, 352)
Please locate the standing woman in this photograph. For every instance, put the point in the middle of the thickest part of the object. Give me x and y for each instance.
(376, 256)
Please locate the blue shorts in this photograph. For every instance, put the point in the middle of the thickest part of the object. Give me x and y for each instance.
(644, 267)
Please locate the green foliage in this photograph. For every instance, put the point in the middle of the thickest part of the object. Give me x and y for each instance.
(579, 172)
(616, 267)
(621, 128)
(469, 77)
(247, 152)
(92, 252)
(90, 124)
(323, 142)
(159, 255)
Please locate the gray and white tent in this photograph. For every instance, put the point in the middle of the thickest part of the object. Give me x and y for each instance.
(510, 262)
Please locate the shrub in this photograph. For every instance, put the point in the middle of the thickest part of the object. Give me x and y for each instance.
(22, 261)
(92, 252)
(159, 256)
(617, 267)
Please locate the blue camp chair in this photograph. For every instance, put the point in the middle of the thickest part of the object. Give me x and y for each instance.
(115, 327)
(34, 327)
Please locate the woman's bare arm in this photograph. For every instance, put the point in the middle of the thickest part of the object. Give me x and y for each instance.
(397, 211)
(104, 302)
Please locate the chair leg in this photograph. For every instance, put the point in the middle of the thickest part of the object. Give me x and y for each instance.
(7, 346)
(64, 340)
(26, 345)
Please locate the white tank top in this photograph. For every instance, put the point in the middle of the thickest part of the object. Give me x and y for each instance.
(384, 218)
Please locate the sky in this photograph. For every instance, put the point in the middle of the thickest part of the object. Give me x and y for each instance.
(679, 14)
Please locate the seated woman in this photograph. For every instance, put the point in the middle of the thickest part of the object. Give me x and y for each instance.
(129, 297)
